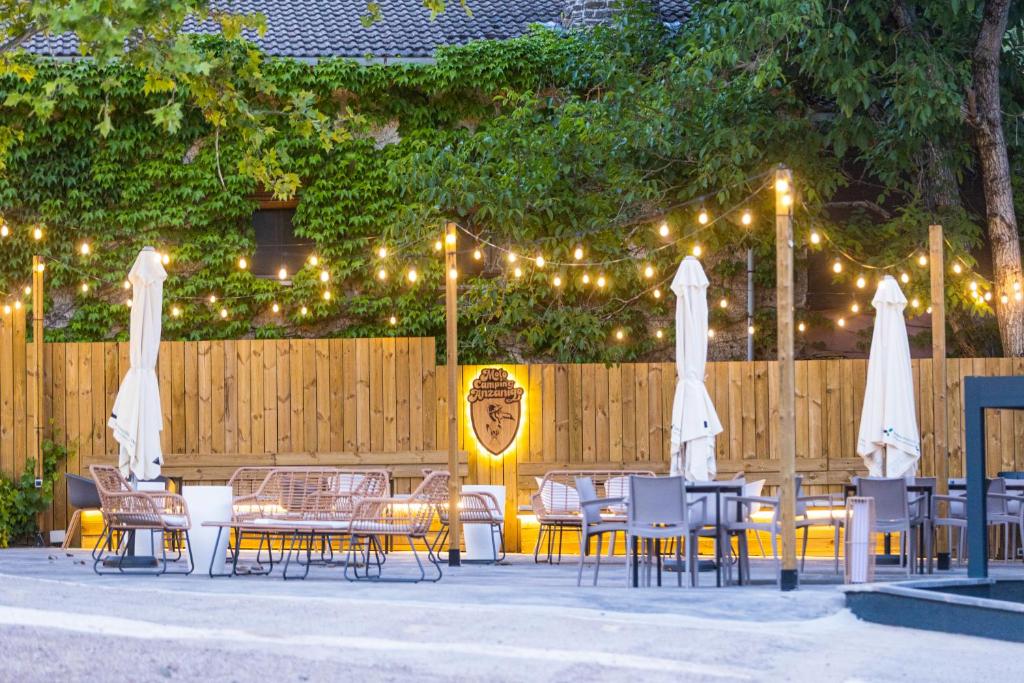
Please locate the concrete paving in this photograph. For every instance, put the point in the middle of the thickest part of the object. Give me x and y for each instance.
(513, 622)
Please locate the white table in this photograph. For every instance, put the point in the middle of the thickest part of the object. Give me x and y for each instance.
(479, 546)
(207, 504)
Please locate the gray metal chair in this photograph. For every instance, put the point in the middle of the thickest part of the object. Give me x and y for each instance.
(593, 525)
(658, 510)
(897, 511)
(82, 495)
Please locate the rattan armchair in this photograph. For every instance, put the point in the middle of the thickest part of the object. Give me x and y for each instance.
(476, 507)
(126, 512)
(410, 518)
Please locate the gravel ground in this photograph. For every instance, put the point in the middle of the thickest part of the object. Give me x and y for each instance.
(59, 622)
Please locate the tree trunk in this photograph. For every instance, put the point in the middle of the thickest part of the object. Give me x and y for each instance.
(995, 176)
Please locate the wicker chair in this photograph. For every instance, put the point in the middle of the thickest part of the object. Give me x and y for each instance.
(127, 512)
(377, 518)
(477, 507)
(557, 503)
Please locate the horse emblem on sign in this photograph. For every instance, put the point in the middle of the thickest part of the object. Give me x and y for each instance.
(495, 407)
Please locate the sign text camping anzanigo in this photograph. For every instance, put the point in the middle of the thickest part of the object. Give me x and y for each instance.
(495, 409)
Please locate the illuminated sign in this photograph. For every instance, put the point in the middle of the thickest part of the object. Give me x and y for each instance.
(495, 409)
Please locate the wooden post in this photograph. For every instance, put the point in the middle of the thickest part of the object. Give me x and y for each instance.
(38, 266)
(787, 372)
(452, 335)
(939, 417)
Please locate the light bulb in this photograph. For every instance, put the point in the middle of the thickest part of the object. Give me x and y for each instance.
(438, 246)
(282, 274)
(539, 261)
(837, 267)
(841, 322)
(648, 272)
(223, 313)
(1016, 286)
(787, 200)
(957, 268)
(620, 334)
(856, 307)
(128, 303)
(915, 303)
(518, 272)
(165, 258)
(697, 251)
(512, 258)
(578, 253)
(17, 305)
(904, 278)
(85, 288)
(928, 310)
(327, 295)
(586, 279)
(659, 334)
(724, 303)
(4, 230)
(37, 234)
(453, 273)
(324, 276)
(41, 267)
(393, 320)
(412, 275)
(815, 237)
(782, 185)
(702, 217)
(275, 308)
(382, 274)
(175, 311)
(213, 299)
(382, 252)
(973, 286)
(657, 293)
(922, 260)
(28, 290)
(85, 249)
(663, 230)
(861, 282)
(801, 327)
(557, 281)
(7, 310)
(314, 260)
(600, 281)
(127, 285)
(750, 329)
(711, 333)
(450, 238)
(988, 296)
(1018, 296)
(477, 254)
(303, 311)
(1004, 299)
(746, 218)
(242, 263)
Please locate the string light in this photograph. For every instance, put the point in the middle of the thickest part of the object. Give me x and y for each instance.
(165, 258)
(175, 312)
(782, 185)
(213, 299)
(40, 267)
(453, 274)
(620, 334)
(128, 303)
(801, 327)
(915, 303)
(512, 258)
(657, 293)
(601, 281)
(127, 285)
(4, 230)
(957, 268)
(382, 252)
(85, 288)
(477, 254)
(223, 313)
(904, 278)
(861, 282)
(413, 275)
(586, 278)
(382, 274)
(837, 267)
(663, 230)
(518, 272)
(787, 200)
(578, 253)
(815, 237)
(324, 276)
(275, 308)
(438, 246)
(28, 290)
(303, 311)
(1016, 286)
(988, 296)
(724, 303)
(648, 272)
(703, 217)
(1004, 299)
(557, 281)
(17, 305)
(242, 263)
(282, 274)
(1017, 296)
(659, 334)
(85, 249)
(922, 260)
(928, 310)
(841, 322)
(393, 320)
(746, 218)
(314, 260)
(750, 329)
(697, 251)
(327, 295)
(450, 238)
(856, 307)
(539, 261)
(37, 234)
(973, 286)
(7, 310)
(711, 333)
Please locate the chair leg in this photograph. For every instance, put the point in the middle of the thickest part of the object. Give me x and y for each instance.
(73, 525)
(803, 552)
(629, 560)
(679, 563)
(584, 540)
(597, 557)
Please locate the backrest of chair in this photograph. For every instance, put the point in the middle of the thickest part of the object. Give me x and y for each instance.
(753, 489)
(364, 483)
(890, 496)
(109, 480)
(557, 495)
(995, 505)
(930, 482)
(82, 492)
(245, 481)
(297, 490)
(431, 494)
(657, 500)
(586, 491)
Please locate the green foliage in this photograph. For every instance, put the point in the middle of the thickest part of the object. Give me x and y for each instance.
(21, 501)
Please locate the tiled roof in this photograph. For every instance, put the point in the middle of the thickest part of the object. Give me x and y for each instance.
(332, 28)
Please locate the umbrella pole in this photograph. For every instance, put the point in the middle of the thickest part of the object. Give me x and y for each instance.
(38, 266)
(787, 373)
(452, 334)
(938, 295)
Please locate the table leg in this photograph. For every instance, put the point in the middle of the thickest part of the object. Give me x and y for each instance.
(657, 558)
(718, 544)
(636, 565)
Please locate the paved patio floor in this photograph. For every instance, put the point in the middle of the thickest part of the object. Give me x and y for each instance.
(515, 622)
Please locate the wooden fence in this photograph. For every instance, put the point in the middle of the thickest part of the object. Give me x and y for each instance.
(383, 402)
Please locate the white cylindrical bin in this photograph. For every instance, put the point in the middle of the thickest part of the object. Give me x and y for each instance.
(208, 504)
(859, 529)
(477, 536)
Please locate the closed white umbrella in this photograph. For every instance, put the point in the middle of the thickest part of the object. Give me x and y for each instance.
(136, 418)
(888, 440)
(694, 420)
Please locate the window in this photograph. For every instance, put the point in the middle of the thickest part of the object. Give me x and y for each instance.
(276, 244)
